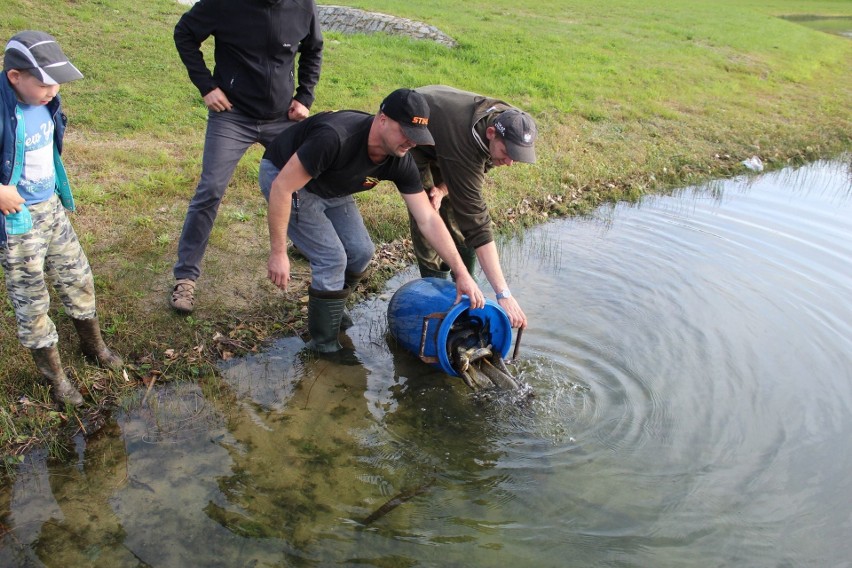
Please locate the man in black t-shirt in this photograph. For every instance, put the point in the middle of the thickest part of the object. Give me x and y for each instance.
(309, 173)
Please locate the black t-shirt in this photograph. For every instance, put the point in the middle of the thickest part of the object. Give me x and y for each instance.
(332, 147)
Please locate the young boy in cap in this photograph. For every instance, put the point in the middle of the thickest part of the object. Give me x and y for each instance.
(309, 173)
(473, 134)
(37, 242)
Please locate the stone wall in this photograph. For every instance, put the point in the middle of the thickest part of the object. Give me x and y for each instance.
(354, 21)
(347, 20)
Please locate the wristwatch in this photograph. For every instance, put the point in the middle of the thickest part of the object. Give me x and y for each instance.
(504, 293)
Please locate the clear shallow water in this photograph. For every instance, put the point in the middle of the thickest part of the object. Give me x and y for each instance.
(691, 363)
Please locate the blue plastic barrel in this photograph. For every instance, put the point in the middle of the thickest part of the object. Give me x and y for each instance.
(421, 316)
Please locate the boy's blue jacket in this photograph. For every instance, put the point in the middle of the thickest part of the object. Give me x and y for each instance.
(12, 146)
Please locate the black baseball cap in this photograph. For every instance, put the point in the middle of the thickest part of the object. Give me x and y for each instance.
(410, 109)
(38, 53)
(518, 131)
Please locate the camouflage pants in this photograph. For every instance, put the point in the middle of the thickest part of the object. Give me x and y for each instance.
(49, 253)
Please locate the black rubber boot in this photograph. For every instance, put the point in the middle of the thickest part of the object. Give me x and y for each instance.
(50, 365)
(325, 310)
(92, 344)
(432, 273)
(351, 280)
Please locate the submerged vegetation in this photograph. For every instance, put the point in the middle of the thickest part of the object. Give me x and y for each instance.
(631, 98)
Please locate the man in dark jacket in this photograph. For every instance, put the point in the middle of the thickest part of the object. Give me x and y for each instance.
(473, 134)
(251, 97)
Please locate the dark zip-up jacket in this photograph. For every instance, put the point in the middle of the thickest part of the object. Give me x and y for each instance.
(256, 42)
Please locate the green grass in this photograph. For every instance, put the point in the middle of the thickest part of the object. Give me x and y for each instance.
(630, 97)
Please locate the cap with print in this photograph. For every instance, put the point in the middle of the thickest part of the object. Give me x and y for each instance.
(518, 131)
(38, 53)
(411, 111)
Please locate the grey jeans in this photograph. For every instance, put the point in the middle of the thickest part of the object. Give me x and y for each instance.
(229, 135)
(329, 232)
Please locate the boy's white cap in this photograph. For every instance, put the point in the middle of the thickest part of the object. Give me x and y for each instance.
(38, 53)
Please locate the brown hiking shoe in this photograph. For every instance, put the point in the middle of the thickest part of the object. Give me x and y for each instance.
(183, 295)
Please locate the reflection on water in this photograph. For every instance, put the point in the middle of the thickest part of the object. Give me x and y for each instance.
(690, 362)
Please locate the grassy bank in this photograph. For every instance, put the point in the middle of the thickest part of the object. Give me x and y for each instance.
(631, 98)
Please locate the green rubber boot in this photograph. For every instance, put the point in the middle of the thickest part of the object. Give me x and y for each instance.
(426, 272)
(325, 310)
(468, 256)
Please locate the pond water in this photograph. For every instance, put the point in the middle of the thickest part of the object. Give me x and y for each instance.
(837, 25)
(690, 359)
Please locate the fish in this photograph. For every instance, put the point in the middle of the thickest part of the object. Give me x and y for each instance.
(497, 376)
(396, 501)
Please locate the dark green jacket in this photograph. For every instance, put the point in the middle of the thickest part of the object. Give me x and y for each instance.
(460, 158)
